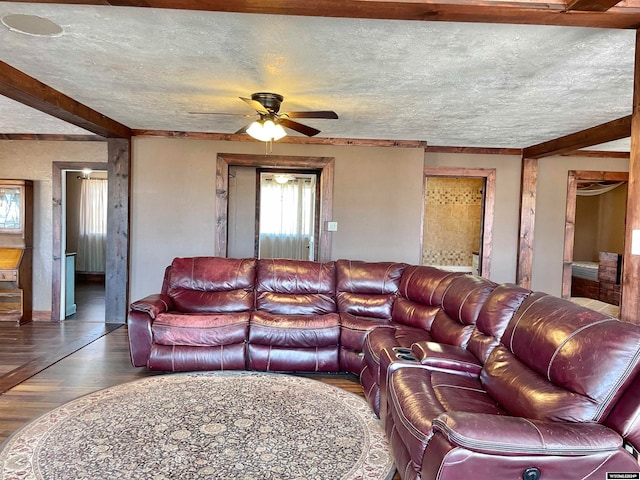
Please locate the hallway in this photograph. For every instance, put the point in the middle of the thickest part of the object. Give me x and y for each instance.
(89, 299)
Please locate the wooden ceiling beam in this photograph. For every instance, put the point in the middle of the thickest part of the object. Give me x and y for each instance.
(52, 137)
(606, 132)
(421, 10)
(22, 88)
(299, 140)
(591, 5)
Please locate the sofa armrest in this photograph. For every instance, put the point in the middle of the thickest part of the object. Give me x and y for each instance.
(505, 435)
(446, 357)
(153, 305)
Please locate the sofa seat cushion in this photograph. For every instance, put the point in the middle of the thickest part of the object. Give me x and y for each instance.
(354, 330)
(208, 330)
(294, 331)
(295, 304)
(416, 396)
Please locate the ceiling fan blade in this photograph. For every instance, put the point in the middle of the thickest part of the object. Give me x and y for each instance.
(298, 127)
(242, 130)
(319, 114)
(257, 106)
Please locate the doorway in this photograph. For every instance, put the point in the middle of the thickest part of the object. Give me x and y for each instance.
(85, 238)
(62, 263)
(227, 236)
(287, 214)
(458, 209)
(594, 238)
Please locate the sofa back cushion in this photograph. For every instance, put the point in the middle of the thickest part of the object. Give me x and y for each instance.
(496, 313)
(560, 361)
(211, 284)
(625, 415)
(295, 287)
(461, 304)
(367, 289)
(420, 295)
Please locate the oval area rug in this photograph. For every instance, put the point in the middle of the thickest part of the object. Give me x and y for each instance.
(217, 425)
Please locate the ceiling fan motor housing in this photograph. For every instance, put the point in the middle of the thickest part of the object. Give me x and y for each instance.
(270, 101)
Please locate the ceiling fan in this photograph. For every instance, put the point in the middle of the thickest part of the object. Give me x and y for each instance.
(270, 125)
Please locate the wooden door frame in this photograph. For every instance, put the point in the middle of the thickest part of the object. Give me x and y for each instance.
(316, 206)
(118, 167)
(325, 164)
(489, 176)
(570, 218)
(56, 283)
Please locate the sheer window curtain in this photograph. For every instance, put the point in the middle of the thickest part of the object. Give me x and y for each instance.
(92, 230)
(286, 219)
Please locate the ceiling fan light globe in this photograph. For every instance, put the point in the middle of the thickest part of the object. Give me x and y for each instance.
(278, 133)
(257, 131)
(266, 131)
(268, 128)
(282, 179)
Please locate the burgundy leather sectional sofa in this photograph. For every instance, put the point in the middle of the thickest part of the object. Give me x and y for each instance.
(471, 379)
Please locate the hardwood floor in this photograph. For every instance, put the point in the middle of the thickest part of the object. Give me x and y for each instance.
(100, 364)
(75, 371)
(89, 299)
(28, 349)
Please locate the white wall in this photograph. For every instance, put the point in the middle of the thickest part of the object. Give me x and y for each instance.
(33, 160)
(377, 202)
(242, 212)
(551, 201)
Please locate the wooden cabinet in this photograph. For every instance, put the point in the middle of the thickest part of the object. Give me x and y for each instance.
(16, 246)
(70, 285)
(609, 277)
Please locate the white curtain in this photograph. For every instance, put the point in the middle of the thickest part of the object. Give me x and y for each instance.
(92, 230)
(286, 218)
(596, 188)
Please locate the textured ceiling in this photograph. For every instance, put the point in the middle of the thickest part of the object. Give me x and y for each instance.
(450, 84)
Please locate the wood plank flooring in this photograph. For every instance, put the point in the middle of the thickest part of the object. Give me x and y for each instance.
(102, 363)
(30, 348)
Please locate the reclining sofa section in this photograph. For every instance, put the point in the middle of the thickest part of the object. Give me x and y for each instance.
(278, 315)
(471, 379)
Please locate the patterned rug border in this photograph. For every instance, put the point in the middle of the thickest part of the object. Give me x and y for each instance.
(18, 451)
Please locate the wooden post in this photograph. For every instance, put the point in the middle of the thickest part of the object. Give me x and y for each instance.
(569, 234)
(630, 303)
(222, 199)
(117, 267)
(528, 188)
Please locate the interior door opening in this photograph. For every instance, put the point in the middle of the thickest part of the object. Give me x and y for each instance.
(287, 211)
(458, 212)
(236, 200)
(594, 239)
(84, 241)
(453, 214)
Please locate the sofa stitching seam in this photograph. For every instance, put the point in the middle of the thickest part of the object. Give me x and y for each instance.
(616, 386)
(444, 385)
(566, 340)
(515, 326)
(544, 444)
(598, 467)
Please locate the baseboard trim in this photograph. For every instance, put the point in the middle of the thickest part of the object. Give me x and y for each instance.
(41, 316)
